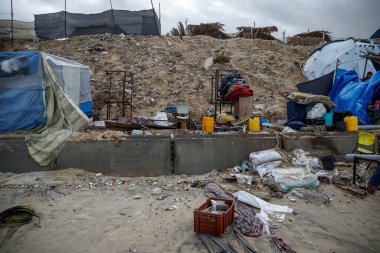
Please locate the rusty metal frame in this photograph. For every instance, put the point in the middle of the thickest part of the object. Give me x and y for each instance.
(215, 84)
(127, 79)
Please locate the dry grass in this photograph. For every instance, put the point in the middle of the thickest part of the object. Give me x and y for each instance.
(264, 33)
(310, 38)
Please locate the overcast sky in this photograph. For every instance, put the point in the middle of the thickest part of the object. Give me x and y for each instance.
(344, 18)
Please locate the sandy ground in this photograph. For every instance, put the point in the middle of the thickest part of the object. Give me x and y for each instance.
(82, 212)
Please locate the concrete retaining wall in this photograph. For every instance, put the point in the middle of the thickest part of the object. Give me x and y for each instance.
(14, 157)
(159, 155)
(322, 144)
(198, 155)
(149, 156)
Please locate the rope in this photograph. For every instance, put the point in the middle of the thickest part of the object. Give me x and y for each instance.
(17, 215)
(247, 221)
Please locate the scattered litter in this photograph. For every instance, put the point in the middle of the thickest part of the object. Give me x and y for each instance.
(297, 194)
(171, 208)
(161, 119)
(138, 197)
(162, 197)
(243, 179)
(98, 174)
(292, 199)
(156, 191)
(169, 43)
(266, 208)
(288, 130)
(208, 63)
(301, 159)
(288, 178)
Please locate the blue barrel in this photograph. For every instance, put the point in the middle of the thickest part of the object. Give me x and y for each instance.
(329, 118)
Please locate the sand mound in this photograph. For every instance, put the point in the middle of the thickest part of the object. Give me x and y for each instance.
(170, 73)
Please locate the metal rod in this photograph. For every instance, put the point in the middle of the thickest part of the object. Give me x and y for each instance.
(131, 115)
(369, 127)
(109, 96)
(124, 82)
(65, 20)
(12, 20)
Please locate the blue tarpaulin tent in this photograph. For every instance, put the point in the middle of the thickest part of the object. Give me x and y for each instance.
(22, 81)
(350, 94)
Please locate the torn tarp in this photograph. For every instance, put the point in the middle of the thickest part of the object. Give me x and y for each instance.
(63, 117)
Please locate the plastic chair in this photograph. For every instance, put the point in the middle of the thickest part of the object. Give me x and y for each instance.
(366, 143)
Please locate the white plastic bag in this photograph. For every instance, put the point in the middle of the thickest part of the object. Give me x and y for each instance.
(267, 168)
(241, 179)
(161, 119)
(288, 178)
(316, 112)
(258, 158)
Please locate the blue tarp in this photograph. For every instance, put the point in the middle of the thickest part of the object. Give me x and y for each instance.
(21, 92)
(349, 94)
(22, 104)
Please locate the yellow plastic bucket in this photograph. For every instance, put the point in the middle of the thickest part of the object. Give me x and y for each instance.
(254, 124)
(351, 124)
(208, 124)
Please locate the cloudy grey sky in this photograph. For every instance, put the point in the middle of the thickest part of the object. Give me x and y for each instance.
(344, 18)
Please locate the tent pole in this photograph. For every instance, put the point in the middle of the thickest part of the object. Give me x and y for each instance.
(365, 67)
(337, 64)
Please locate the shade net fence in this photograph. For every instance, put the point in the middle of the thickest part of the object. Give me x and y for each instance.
(58, 25)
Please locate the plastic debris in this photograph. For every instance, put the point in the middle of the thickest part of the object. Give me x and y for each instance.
(171, 208)
(266, 208)
(156, 191)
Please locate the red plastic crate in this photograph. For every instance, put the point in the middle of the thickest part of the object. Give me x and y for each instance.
(210, 223)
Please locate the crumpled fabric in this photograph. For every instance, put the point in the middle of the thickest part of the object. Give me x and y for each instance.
(239, 91)
(306, 99)
(63, 118)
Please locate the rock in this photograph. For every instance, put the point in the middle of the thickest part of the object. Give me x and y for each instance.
(171, 208)
(208, 63)
(98, 174)
(278, 195)
(138, 197)
(156, 191)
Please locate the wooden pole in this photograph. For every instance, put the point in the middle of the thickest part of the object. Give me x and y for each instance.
(12, 20)
(283, 36)
(113, 17)
(65, 21)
